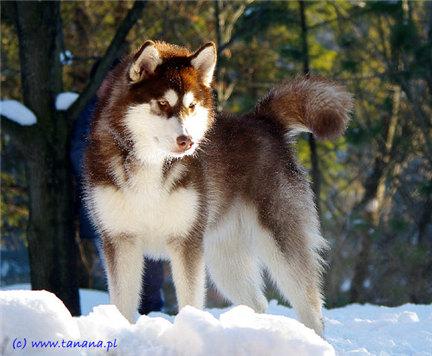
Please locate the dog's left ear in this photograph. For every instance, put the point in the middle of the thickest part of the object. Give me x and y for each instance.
(204, 61)
(145, 61)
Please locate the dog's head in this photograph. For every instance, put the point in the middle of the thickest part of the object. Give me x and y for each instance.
(169, 99)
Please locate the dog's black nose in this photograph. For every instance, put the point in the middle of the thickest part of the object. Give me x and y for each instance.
(184, 142)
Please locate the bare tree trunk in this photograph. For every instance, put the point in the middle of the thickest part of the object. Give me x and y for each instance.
(373, 199)
(226, 15)
(217, 74)
(45, 145)
(425, 219)
(419, 281)
(428, 71)
(51, 242)
(315, 169)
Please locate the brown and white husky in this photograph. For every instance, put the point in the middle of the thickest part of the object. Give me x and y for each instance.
(168, 178)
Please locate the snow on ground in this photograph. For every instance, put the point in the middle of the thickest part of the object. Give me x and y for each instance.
(17, 112)
(354, 329)
(89, 298)
(375, 330)
(39, 315)
(65, 100)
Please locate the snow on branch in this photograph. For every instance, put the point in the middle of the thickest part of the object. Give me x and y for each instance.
(65, 100)
(17, 112)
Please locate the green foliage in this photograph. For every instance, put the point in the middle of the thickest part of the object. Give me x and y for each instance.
(14, 211)
(10, 71)
(370, 46)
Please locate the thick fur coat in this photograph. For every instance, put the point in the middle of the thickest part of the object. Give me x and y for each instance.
(168, 178)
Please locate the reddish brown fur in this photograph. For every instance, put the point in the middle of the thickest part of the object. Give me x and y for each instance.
(241, 153)
(244, 158)
(318, 104)
(175, 72)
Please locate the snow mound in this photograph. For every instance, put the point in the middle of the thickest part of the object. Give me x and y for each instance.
(65, 100)
(89, 298)
(353, 329)
(17, 112)
(41, 316)
(379, 330)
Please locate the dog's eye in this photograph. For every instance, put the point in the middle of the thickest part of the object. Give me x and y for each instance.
(192, 106)
(163, 103)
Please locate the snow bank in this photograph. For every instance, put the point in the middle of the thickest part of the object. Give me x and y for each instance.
(65, 100)
(17, 112)
(354, 329)
(40, 316)
(375, 330)
(378, 330)
(89, 298)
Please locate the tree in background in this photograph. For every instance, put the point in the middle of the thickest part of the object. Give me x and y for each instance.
(375, 191)
(44, 146)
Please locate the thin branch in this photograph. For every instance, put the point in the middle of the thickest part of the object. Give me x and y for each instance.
(421, 117)
(230, 38)
(107, 60)
(235, 17)
(11, 127)
(355, 14)
(18, 133)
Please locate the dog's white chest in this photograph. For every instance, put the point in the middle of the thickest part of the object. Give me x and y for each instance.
(146, 207)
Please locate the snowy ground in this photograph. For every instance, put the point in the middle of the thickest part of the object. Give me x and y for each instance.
(355, 329)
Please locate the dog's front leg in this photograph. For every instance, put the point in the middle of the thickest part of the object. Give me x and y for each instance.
(124, 262)
(188, 269)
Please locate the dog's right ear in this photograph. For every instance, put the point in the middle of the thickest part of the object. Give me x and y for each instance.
(204, 61)
(145, 61)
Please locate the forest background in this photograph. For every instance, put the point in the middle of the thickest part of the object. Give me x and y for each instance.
(373, 186)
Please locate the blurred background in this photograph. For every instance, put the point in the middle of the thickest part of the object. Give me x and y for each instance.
(374, 185)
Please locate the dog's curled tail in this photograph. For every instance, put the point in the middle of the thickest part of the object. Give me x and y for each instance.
(309, 104)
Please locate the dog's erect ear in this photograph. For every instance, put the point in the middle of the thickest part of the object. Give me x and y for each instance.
(204, 61)
(145, 61)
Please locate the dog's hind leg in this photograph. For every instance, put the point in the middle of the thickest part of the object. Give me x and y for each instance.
(299, 284)
(232, 262)
(293, 262)
(124, 263)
